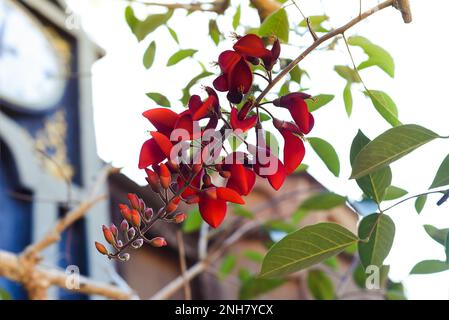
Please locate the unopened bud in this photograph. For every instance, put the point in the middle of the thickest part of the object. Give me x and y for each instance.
(131, 233)
(192, 199)
(135, 218)
(124, 226)
(137, 244)
(125, 211)
(142, 205)
(101, 248)
(225, 174)
(164, 176)
(148, 214)
(179, 218)
(107, 233)
(124, 257)
(173, 166)
(153, 180)
(158, 242)
(134, 201)
(119, 243)
(172, 205)
(114, 230)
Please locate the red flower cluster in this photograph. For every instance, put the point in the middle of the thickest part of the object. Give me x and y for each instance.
(181, 163)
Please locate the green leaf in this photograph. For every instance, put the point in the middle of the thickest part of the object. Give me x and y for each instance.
(430, 266)
(254, 256)
(332, 263)
(439, 235)
(160, 99)
(227, 265)
(285, 88)
(4, 295)
(264, 117)
(442, 176)
(393, 193)
(180, 55)
(347, 73)
(315, 23)
(214, 32)
(320, 100)
(301, 168)
(130, 18)
(420, 202)
(380, 230)
(377, 56)
(320, 285)
(385, 106)
(296, 74)
(236, 18)
(347, 98)
(375, 184)
(186, 90)
(306, 247)
(244, 275)
(151, 23)
(323, 201)
(243, 212)
(254, 287)
(148, 57)
(390, 146)
(193, 221)
(173, 34)
(276, 24)
(327, 154)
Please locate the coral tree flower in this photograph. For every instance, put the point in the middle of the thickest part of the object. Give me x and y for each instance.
(294, 149)
(239, 119)
(297, 106)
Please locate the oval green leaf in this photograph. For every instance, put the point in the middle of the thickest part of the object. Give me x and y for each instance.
(347, 99)
(180, 55)
(236, 18)
(420, 202)
(385, 106)
(379, 232)
(430, 266)
(306, 247)
(323, 201)
(442, 176)
(390, 146)
(319, 101)
(393, 193)
(276, 24)
(439, 235)
(160, 99)
(327, 154)
(148, 57)
(320, 285)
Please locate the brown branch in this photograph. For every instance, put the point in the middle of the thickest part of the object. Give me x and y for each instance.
(319, 41)
(12, 267)
(183, 265)
(404, 7)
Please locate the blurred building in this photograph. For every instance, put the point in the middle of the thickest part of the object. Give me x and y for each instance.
(49, 159)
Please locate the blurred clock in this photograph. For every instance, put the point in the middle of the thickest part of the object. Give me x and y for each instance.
(32, 71)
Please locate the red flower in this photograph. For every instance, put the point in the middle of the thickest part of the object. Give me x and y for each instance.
(212, 204)
(243, 124)
(298, 109)
(163, 119)
(242, 179)
(272, 169)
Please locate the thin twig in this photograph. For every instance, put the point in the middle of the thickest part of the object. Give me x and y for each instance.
(183, 265)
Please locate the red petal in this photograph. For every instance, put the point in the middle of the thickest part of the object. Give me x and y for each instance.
(229, 195)
(212, 211)
(240, 78)
(275, 175)
(150, 154)
(242, 179)
(163, 119)
(299, 111)
(294, 151)
(227, 60)
(221, 83)
(205, 108)
(163, 143)
(185, 122)
(251, 45)
(195, 103)
(244, 124)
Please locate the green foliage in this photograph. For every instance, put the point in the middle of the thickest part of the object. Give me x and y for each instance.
(442, 176)
(320, 285)
(375, 184)
(276, 24)
(148, 57)
(306, 247)
(327, 154)
(214, 32)
(254, 256)
(280, 225)
(319, 101)
(173, 34)
(180, 55)
(347, 73)
(420, 202)
(323, 201)
(430, 266)
(193, 221)
(385, 106)
(243, 212)
(142, 29)
(390, 146)
(393, 193)
(236, 18)
(254, 287)
(160, 99)
(296, 74)
(227, 265)
(377, 234)
(439, 235)
(347, 99)
(186, 90)
(377, 56)
(316, 23)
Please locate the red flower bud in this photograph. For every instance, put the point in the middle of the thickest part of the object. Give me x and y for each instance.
(153, 180)
(192, 199)
(179, 218)
(125, 211)
(101, 248)
(134, 201)
(135, 218)
(158, 242)
(225, 174)
(124, 226)
(114, 230)
(173, 166)
(108, 235)
(164, 176)
(148, 214)
(172, 205)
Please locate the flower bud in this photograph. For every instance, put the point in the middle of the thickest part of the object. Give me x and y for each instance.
(225, 174)
(137, 244)
(125, 211)
(148, 214)
(179, 218)
(108, 235)
(119, 243)
(114, 230)
(135, 218)
(153, 180)
(124, 226)
(192, 199)
(207, 180)
(101, 248)
(124, 257)
(134, 201)
(158, 242)
(142, 205)
(245, 109)
(173, 166)
(172, 205)
(164, 176)
(131, 233)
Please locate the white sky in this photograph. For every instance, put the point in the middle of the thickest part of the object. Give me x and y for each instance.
(420, 52)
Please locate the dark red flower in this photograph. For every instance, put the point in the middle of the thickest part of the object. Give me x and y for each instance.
(297, 106)
(243, 124)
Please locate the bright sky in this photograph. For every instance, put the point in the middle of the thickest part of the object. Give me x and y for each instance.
(121, 81)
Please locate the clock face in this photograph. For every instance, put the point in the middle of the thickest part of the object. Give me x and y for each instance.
(32, 73)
